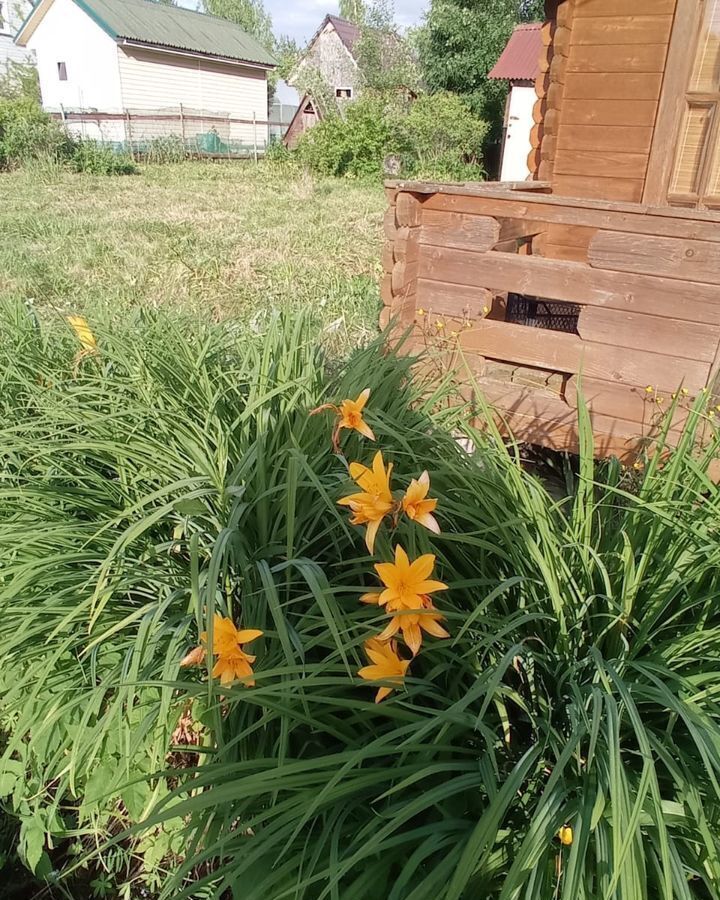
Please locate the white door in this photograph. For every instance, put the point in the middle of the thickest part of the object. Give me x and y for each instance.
(517, 145)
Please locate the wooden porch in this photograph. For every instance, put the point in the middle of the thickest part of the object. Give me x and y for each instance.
(530, 290)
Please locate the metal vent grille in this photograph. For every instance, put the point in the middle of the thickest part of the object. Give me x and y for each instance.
(553, 315)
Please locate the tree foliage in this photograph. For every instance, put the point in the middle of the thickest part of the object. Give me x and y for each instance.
(385, 58)
(353, 11)
(249, 14)
(461, 40)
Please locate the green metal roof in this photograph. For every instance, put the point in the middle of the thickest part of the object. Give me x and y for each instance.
(179, 29)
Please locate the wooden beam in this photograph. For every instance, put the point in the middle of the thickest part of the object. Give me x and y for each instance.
(455, 300)
(641, 57)
(464, 232)
(621, 29)
(621, 163)
(674, 337)
(588, 137)
(585, 8)
(633, 404)
(613, 215)
(609, 112)
(572, 282)
(684, 260)
(613, 85)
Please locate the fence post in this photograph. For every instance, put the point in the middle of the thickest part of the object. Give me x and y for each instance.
(128, 134)
(182, 129)
(255, 136)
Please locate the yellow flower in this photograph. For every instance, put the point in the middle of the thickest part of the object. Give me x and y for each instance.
(412, 626)
(439, 325)
(84, 334)
(350, 415)
(376, 500)
(417, 507)
(232, 663)
(421, 312)
(684, 391)
(486, 309)
(566, 835)
(406, 583)
(649, 389)
(386, 666)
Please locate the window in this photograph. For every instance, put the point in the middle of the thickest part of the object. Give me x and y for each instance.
(343, 93)
(62, 71)
(695, 176)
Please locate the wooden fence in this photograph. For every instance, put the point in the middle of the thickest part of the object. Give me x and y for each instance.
(639, 305)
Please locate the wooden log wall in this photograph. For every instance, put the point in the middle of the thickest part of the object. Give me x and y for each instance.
(598, 98)
(648, 292)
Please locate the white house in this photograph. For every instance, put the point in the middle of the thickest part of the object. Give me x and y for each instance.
(520, 65)
(12, 13)
(118, 56)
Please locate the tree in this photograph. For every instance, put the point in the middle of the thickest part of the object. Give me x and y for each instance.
(385, 59)
(461, 40)
(353, 10)
(248, 14)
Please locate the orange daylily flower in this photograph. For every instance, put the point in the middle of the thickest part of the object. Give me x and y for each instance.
(232, 663)
(406, 584)
(88, 342)
(386, 666)
(376, 500)
(350, 415)
(412, 625)
(417, 507)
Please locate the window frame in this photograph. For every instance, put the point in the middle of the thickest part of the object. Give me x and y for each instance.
(62, 71)
(676, 79)
(340, 93)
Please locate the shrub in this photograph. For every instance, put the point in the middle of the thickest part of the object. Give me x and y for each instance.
(94, 158)
(162, 471)
(27, 132)
(436, 134)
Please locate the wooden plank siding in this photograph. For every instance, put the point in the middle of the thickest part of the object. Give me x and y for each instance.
(604, 125)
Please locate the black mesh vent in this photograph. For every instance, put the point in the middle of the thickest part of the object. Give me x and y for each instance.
(535, 312)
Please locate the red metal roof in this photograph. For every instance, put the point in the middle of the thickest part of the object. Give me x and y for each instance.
(520, 60)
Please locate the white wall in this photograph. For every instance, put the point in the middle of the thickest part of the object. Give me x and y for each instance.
(329, 56)
(66, 34)
(517, 145)
(153, 80)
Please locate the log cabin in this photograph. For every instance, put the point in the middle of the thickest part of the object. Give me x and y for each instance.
(600, 276)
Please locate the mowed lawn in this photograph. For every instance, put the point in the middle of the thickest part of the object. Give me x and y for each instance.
(219, 239)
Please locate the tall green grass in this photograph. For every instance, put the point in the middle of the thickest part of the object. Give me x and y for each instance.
(178, 473)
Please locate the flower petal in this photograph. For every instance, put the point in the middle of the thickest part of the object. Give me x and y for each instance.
(382, 693)
(429, 587)
(195, 657)
(391, 630)
(431, 625)
(371, 534)
(245, 637)
(428, 521)
(412, 635)
(422, 567)
(364, 429)
(372, 597)
(363, 399)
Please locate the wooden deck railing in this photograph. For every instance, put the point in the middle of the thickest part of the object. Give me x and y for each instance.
(644, 284)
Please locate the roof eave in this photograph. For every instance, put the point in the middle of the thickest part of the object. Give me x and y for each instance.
(197, 54)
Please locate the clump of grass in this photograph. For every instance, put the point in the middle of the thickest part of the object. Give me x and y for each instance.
(176, 472)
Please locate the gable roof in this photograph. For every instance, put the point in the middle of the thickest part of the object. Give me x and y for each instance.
(348, 32)
(520, 60)
(158, 25)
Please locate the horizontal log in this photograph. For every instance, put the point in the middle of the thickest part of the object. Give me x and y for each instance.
(388, 256)
(409, 210)
(537, 417)
(632, 404)
(684, 260)
(620, 163)
(572, 282)
(594, 8)
(674, 337)
(386, 291)
(613, 85)
(643, 57)
(567, 353)
(596, 187)
(404, 276)
(570, 236)
(453, 299)
(442, 229)
(518, 229)
(611, 215)
(406, 245)
(609, 112)
(630, 138)
(622, 29)
(390, 224)
(551, 249)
